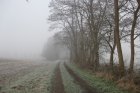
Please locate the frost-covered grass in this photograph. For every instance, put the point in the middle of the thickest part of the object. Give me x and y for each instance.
(68, 81)
(38, 81)
(100, 84)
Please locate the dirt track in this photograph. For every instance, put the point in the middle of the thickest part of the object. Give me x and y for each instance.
(57, 84)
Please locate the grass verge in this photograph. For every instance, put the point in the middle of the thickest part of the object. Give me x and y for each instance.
(102, 85)
(68, 81)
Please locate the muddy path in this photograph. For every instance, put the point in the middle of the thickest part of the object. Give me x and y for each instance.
(81, 82)
(57, 83)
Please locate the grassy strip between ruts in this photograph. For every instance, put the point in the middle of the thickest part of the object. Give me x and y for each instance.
(100, 84)
(69, 83)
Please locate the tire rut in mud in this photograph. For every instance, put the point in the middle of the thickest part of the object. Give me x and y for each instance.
(57, 83)
(81, 82)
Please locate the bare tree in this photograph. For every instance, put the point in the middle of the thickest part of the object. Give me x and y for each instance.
(134, 23)
(117, 38)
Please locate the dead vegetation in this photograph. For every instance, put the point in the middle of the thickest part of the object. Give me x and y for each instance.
(105, 75)
(19, 87)
(130, 82)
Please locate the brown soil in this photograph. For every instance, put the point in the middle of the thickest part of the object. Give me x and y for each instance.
(81, 82)
(57, 83)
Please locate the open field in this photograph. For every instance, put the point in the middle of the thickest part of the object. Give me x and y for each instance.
(25, 77)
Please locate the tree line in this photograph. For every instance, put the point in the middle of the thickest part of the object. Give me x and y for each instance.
(90, 28)
(54, 50)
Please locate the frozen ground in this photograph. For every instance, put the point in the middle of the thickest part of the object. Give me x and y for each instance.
(25, 76)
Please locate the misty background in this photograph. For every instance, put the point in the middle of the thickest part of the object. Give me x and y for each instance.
(23, 28)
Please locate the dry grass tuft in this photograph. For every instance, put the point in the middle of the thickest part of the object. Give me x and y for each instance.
(128, 84)
(105, 75)
(19, 87)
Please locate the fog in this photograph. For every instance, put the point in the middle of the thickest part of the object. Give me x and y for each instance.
(55, 50)
(23, 28)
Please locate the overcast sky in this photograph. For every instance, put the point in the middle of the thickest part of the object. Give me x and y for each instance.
(23, 28)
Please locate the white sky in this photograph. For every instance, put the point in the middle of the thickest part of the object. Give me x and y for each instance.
(23, 28)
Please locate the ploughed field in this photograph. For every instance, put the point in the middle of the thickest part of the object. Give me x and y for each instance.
(47, 77)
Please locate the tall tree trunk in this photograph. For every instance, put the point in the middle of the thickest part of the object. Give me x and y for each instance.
(112, 53)
(132, 59)
(96, 54)
(97, 64)
(112, 56)
(117, 37)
